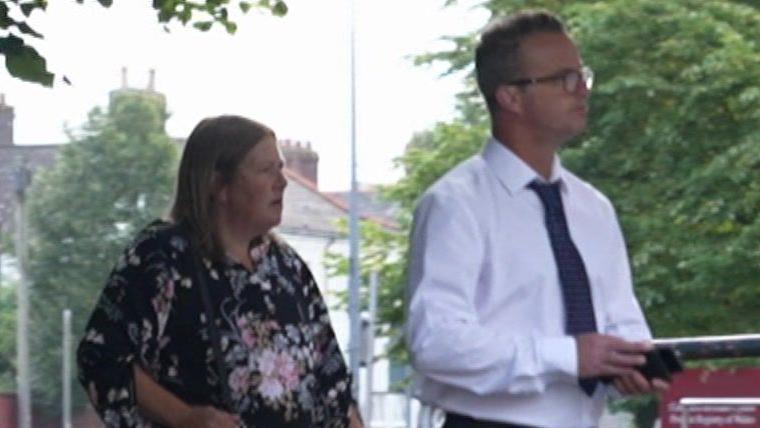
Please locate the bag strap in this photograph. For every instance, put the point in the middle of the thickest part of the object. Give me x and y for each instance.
(199, 272)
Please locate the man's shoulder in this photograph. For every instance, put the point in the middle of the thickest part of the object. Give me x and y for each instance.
(464, 181)
(585, 191)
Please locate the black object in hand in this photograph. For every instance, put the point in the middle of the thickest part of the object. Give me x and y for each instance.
(661, 363)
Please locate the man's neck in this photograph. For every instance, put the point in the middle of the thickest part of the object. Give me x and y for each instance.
(534, 151)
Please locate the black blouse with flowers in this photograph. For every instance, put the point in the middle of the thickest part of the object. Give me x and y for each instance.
(284, 367)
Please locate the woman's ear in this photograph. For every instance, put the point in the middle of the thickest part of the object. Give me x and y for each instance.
(509, 98)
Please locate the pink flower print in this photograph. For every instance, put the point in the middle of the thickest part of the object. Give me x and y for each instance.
(266, 363)
(238, 379)
(249, 337)
(287, 370)
(247, 334)
(270, 388)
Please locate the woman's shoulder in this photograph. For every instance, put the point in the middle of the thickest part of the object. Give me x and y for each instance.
(276, 242)
(288, 255)
(160, 235)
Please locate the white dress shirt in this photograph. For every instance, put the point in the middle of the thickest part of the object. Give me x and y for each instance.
(485, 317)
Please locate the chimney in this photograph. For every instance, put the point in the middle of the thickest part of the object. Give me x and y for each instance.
(300, 158)
(124, 78)
(6, 123)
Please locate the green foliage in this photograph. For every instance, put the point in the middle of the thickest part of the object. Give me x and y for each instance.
(674, 143)
(24, 62)
(645, 409)
(107, 184)
(430, 154)
(673, 140)
(380, 246)
(7, 338)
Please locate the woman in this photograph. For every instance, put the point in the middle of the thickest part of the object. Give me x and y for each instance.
(270, 358)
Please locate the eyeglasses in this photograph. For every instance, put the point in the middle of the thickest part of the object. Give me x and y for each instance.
(570, 79)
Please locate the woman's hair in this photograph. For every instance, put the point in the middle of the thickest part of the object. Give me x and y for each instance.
(211, 157)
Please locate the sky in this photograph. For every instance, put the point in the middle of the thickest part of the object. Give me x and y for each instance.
(291, 73)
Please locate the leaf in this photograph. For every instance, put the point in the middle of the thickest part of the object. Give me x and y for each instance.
(186, 15)
(23, 61)
(10, 43)
(280, 9)
(203, 25)
(245, 6)
(26, 29)
(230, 26)
(28, 8)
(165, 15)
(5, 21)
(105, 3)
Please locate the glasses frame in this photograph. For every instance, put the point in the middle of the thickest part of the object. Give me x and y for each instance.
(585, 75)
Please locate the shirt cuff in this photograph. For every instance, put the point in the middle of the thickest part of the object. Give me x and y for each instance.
(560, 356)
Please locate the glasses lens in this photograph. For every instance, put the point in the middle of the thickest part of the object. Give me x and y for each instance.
(588, 77)
(571, 81)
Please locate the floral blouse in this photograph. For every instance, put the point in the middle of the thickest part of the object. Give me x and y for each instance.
(283, 364)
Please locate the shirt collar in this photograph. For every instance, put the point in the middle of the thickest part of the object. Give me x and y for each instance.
(513, 173)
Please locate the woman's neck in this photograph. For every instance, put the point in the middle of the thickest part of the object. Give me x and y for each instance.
(236, 243)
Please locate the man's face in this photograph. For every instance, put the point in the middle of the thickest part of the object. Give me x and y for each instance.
(553, 113)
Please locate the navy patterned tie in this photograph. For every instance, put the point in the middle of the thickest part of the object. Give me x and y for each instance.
(576, 295)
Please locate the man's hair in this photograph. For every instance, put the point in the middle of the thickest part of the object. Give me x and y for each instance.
(497, 56)
(211, 158)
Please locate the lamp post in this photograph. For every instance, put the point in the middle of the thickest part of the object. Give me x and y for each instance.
(66, 369)
(22, 177)
(353, 222)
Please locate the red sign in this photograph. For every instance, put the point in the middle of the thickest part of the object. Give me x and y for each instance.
(720, 384)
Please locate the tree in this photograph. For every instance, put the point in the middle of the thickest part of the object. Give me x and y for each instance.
(108, 183)
(24, 62)
(673, 141)
(7, 338)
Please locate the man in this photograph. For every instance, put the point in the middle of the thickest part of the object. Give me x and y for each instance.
(521, 309)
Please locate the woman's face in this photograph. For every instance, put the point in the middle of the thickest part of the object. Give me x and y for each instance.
(252, 200)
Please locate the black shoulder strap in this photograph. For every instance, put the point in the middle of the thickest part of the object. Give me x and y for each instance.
(199, 272)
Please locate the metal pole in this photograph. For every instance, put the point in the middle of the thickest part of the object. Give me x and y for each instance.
(22, 178)
(354, 280)
(710, 347)
(373, 283)
(66, 357)
(1, 257)
(408, 395)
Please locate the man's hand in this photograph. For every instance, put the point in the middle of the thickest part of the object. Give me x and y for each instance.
(603, 355)
(207, 417)
(636, 383)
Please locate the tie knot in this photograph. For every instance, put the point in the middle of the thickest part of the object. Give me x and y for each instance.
(547, 192)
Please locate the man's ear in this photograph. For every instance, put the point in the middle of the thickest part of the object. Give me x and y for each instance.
(509, 98)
